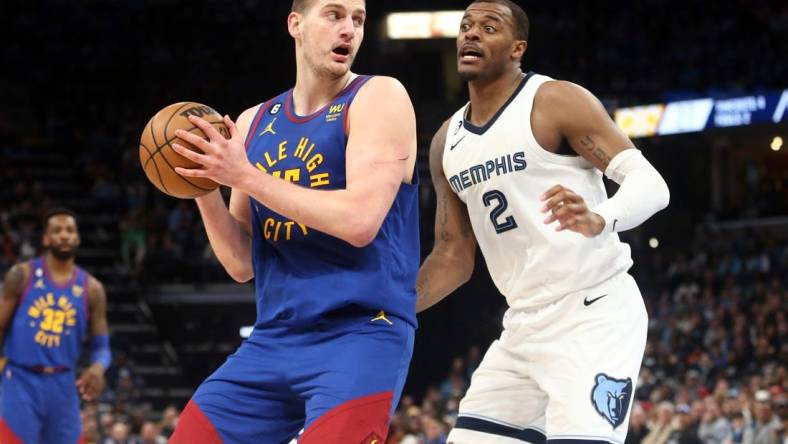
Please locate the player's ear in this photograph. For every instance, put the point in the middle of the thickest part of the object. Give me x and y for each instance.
(294, 24)
(518, 51)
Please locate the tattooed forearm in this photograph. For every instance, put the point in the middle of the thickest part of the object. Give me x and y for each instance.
(442, 218)
(596, 150)
(443, 210)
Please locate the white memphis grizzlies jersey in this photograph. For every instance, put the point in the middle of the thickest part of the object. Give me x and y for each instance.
(500, 172)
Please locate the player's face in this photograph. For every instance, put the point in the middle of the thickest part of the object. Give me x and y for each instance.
(332, 32)
(486, 43)
(61, 236)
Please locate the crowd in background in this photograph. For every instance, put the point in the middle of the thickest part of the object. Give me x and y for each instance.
(715, 369)
(715, 365)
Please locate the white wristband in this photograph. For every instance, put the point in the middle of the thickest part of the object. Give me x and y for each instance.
(642, 192)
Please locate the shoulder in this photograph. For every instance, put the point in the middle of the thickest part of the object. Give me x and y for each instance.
(382, 88)
(562, 94)
(382, 106)
(249, 113)
(21, 269)
(15, 278)
(438, 145)
(96, 290)
(568, 104)
(246, 117)
(439, 139)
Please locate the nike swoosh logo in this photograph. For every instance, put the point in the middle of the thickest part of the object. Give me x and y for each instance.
(456, 143)
(588, 302)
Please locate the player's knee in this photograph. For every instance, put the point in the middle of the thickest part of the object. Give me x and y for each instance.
(364, 420)
(7, 435)
(193, 426)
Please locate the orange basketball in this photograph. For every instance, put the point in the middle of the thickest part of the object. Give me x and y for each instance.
(159, 160)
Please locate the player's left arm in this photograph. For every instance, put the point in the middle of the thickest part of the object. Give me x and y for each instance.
(380, 152)
(580, 118)
(13, 286)
(91, 382)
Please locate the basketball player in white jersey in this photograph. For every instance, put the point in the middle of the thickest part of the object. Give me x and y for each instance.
(564, 368)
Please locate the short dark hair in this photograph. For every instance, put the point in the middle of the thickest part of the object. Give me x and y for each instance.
(301, 6)
(522, 25)
(58, 211)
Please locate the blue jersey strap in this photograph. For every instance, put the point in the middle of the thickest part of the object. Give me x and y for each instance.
(100, 352)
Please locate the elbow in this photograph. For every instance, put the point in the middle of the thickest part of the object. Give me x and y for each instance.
(362, 231)
(466, 271)
(462, 261)
(664, 194)
(240, 273)
(361, 238)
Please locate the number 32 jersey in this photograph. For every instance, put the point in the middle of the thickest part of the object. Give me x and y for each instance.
(50, 321)
(500, 172)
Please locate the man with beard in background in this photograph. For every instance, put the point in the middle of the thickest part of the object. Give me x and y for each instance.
(48, 305)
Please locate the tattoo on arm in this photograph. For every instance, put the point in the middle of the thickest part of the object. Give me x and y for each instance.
(14, 282)
(596, 150)
(443, 217)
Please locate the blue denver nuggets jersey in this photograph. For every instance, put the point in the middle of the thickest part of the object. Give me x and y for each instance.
(301, 273)
(51, 320)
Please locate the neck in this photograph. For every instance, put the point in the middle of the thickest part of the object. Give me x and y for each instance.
(488, 96)
(313, 91)
(59, 268)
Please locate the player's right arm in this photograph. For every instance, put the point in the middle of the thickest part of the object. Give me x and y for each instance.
(13, 285)
(451, 261)
(230, 231)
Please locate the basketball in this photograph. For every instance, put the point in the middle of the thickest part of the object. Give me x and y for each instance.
(159, 160)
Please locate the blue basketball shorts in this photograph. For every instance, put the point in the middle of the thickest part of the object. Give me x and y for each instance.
(38, 408)
(339, 380)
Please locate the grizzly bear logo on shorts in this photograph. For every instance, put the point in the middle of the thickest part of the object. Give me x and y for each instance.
(611, 398)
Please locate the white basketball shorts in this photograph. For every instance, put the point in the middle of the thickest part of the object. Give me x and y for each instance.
(562, 374)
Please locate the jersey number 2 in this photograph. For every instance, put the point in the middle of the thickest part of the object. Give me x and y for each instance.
(501, 226)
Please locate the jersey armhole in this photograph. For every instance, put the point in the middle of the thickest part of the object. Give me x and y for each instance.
(360, 81)
(530, 92)
(261, 110)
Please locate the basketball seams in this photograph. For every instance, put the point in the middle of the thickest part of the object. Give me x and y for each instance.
(166, 126)
(155, 165)
(172, 116)
(182, 177)
(158, 173)
(198, 187)
(169, 141)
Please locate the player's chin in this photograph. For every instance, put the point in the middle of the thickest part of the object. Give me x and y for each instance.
(468, 73)
(339, 69)
(63, 253)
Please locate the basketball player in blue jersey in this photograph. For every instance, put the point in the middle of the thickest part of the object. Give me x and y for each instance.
(49, 306)
(564, 369)
(323, 215)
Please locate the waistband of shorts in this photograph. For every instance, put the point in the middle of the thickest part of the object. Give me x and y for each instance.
(353, 317)
(582, 292)
(41, 369)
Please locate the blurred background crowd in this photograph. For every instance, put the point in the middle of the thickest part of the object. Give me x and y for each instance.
(713, 271)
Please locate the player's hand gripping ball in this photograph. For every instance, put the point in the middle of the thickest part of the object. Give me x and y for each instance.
(159, 159)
